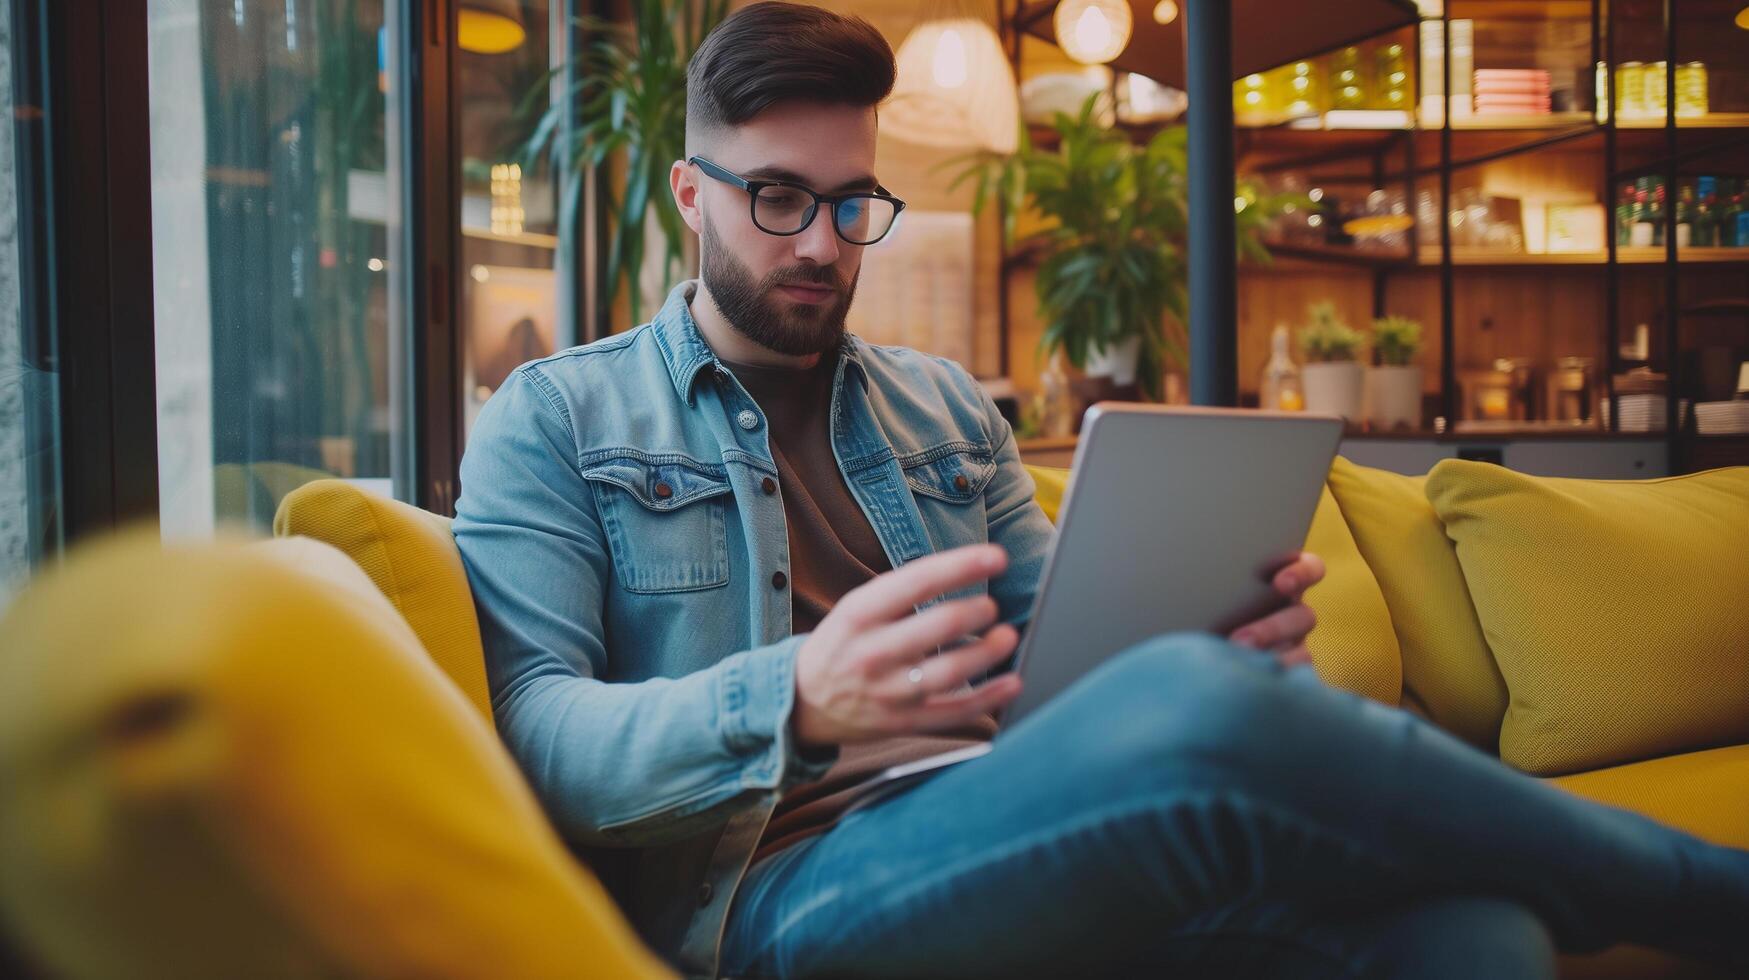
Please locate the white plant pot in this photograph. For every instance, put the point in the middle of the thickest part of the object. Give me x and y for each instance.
(1393, 396)
(1334, 388)
(1117, 361)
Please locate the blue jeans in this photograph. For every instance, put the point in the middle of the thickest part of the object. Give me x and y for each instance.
(1193, 809)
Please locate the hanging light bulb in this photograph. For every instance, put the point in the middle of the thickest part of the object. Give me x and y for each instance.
(949, 64)
(954, 89)
(1743, 18)
(1165, 12)
(1093, 31)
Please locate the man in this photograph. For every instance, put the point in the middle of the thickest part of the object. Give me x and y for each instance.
(708, 557)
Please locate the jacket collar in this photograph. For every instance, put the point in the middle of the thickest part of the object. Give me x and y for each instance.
(684, 348)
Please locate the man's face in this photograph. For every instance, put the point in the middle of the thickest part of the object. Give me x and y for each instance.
(788, 294)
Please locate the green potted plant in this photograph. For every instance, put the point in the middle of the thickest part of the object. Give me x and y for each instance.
(1111, 253)
(1332, 375)
(1393, 382)
(628, 92)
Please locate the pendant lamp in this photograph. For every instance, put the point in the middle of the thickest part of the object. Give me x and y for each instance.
(954, 89)
(1093, 32)
(490, 26)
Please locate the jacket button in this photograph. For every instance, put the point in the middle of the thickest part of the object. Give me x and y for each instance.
(704, 894)
(768, 485)
(664, 491)
(747, 419)
(960, 482)
(779, 580)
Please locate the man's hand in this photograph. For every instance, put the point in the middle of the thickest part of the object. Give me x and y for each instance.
(1285, 630)
(867, 672)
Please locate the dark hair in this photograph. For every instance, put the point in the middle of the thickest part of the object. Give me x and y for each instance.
(771, 52)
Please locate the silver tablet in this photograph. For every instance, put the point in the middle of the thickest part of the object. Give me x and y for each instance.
(1174, 519)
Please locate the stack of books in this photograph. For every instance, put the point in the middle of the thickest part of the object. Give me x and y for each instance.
(1646, 413)
(1511, 92)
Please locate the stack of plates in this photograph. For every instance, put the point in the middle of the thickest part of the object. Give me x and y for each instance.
(1645, 413)
(1511, 91)
(1721, 418)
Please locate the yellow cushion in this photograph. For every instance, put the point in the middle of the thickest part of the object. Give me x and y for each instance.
(1353, 647)
(411, 556)
(1447, 671)
(1616, 609)
(1704, 793)
(217, 763)
(1049, 484)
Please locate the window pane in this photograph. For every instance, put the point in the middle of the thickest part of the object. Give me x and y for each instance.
(30, 494)
(510, 230)
(277, 253)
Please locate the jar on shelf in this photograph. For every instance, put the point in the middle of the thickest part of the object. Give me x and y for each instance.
(1304, 90)
(1252, 96)
(1347, 79)
(1392, 84)
(1654, 82)
(1691, 89)
(1572, 395)
(1630, 89)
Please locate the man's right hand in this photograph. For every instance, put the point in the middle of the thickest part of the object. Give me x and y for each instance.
(867, 672)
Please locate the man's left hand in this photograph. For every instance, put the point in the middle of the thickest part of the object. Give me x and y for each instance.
(1284, 631)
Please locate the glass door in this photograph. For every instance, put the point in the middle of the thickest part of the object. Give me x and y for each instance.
(516, 276)
(282, 335)
(31, 529)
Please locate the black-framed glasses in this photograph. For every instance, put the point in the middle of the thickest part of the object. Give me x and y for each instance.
(782, 208)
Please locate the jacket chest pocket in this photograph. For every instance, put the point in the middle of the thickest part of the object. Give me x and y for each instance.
(666, 523)
(956, 473)
(948, 484)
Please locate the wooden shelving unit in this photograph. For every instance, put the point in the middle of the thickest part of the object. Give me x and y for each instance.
(1482, 303)
(1625, 255)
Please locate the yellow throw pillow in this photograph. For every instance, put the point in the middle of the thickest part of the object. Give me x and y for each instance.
(1448, 673)
(1353, 647)
(411, 556)
(1617, 610)
(1049, 483)
(216, 763)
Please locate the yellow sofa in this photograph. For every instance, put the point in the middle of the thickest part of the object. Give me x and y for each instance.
(1390, 629)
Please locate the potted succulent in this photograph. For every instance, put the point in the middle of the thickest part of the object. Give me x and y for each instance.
(1332, 375)
(1393, 382)
(1110, 249)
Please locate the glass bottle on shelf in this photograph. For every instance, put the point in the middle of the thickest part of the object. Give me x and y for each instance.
(1656, 214)
(1728, 216)
(1644, 232)
(1684, 216)
(1626, 211)
(1347, 80)
(1280, 388)
(1705, 234)
(1056, 416)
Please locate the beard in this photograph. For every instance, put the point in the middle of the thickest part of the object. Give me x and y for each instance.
(753, 308)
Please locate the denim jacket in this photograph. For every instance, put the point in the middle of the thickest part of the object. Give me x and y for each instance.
(624, 553)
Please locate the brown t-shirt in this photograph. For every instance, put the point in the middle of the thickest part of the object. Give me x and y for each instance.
(832, 549)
